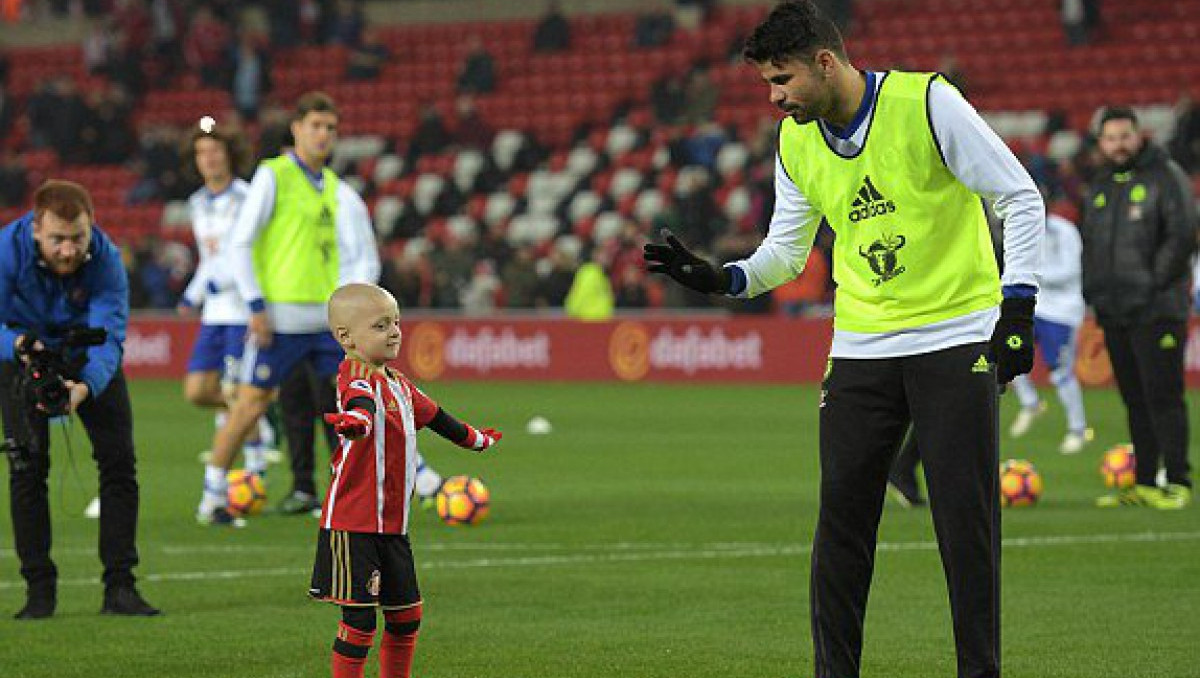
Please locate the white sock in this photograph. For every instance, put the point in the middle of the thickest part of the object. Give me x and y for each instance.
(255, 457)
(428, 481)
(266, 433)
(215, 488)
(1071, 397)
(1026, 392)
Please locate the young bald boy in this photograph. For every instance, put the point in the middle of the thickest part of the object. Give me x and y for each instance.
(364, 560)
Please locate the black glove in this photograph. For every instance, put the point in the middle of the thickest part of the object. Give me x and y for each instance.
(1012, 342)
(686, 268)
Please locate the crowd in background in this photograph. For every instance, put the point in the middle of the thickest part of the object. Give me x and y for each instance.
(141, 45)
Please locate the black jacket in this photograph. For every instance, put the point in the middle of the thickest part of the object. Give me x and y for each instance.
(1139, 234)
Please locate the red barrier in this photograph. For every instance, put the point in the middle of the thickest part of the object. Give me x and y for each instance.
(654, 349)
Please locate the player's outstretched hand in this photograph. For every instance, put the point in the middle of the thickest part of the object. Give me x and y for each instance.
(350, 425)
(685, 268)
(1012, 342)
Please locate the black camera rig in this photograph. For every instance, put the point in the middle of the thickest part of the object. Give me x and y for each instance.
(40, 390)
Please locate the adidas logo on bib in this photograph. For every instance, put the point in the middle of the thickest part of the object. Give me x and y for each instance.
(869, 203)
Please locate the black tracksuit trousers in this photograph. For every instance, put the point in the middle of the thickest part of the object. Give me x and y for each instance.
(866, 408)
(1147, 361)
(108, 420)
(303, 398)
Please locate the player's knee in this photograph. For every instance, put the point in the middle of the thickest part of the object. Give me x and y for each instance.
(252, 401)
(404, 622)
(359, 618)
(197, 393)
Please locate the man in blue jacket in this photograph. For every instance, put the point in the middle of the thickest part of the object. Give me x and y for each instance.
(58, 273)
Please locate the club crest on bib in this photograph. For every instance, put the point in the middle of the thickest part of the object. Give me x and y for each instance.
(881, 257)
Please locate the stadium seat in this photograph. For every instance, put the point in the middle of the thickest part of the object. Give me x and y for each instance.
(388, 167)
(608, 226)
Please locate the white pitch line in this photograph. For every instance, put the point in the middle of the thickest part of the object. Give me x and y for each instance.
(694, 552)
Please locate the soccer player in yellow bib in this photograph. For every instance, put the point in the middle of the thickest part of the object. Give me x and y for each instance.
(925, 327)
(301, 232)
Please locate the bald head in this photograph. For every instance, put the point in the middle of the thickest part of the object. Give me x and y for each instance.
(365, 320)
(357, 299)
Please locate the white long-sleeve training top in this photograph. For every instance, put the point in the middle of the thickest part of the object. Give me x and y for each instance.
(212, 288)
(358, 253)
(1060, 294)
(979, 159)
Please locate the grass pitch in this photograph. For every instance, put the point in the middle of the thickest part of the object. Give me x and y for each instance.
(658, 531)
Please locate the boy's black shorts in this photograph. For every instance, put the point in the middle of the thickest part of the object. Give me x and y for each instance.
(359, 568)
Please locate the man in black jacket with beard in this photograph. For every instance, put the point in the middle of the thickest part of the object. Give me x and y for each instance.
(1139, 234)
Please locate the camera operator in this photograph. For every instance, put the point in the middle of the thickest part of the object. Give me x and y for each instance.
(58, 274)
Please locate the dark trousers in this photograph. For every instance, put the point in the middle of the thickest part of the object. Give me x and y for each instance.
(907, 458)
(303, 397)
(108, 420)
(866, 408)
(1147, 361)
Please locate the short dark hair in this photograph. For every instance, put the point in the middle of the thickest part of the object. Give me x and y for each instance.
(794, 29)
(65, 199)
(235, 145)
(1117, 113)
(315, 102)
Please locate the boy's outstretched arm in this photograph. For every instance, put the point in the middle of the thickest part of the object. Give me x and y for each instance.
(463, 434)
(355, 422)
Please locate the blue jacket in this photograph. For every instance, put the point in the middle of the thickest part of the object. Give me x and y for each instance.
(34, 299)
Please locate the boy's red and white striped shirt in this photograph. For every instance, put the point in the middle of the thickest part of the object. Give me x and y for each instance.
(372, 478)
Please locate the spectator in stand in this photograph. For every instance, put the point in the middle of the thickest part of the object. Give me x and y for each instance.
(132, 17)
(699, 217)
(165, 16)
(14, 180)
(520, 279)
(313, 15)
(554, 286)
(691, 14)
(1080, 18)
(407, 276)
(158, 165)
(108, 132)
(470, 129)
(453, 266)
(553, 33)
(348, 24)
(152, 275)
(206, 47)
(275, 133)
(478, 73)
(6, 111)
(367, 59)
(653, 29)
(1185, 140)
(479, 296)
(700, 97)
(667, 99)
(625, 252)
(430, 136)
(66, 113)
(631, 289)
(251, 75)
(98, 46)
(284, 20)
(702, 146)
